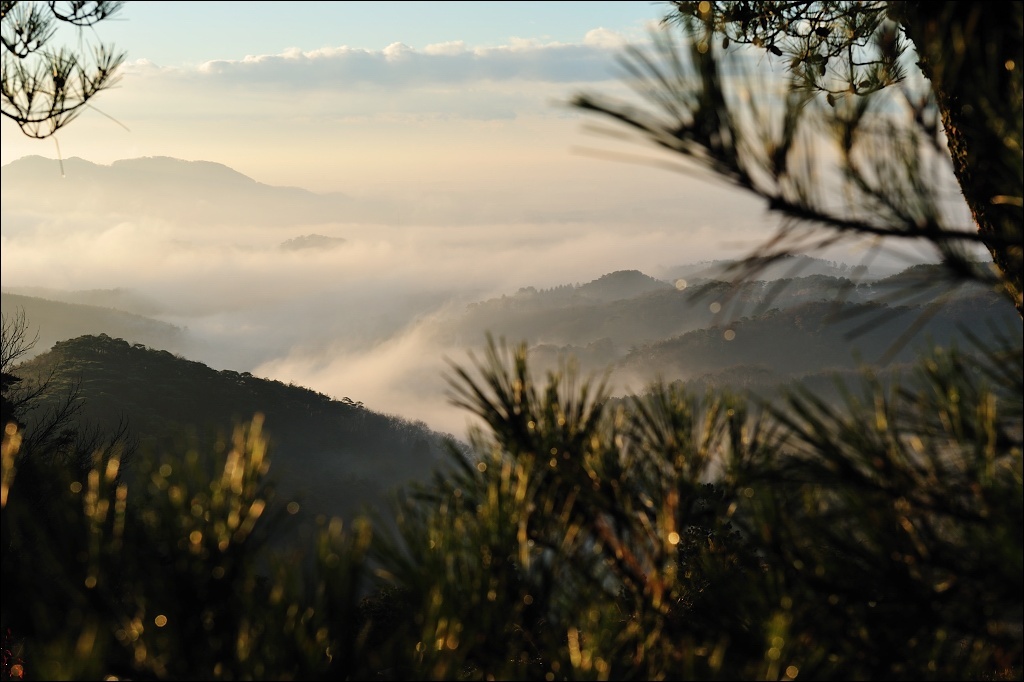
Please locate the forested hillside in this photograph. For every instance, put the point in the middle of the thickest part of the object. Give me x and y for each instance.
(331, 454)
(757, 332)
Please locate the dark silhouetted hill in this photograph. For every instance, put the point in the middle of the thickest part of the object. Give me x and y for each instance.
(333, 455)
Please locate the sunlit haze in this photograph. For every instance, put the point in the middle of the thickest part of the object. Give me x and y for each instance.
(438, 133)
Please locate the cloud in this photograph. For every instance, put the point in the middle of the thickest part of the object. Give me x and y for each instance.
(405, 374)
(342, 103)
(604, 38)
(451, 47)
(330, 84)
(401, 66)
(362, 320)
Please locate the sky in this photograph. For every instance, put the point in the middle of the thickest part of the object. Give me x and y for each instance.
(450, 114)
(351, 95)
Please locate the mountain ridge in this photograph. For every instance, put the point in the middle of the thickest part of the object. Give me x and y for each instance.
(162, 187)
(336, 456)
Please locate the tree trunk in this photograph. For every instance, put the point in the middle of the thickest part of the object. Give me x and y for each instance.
(972, 53)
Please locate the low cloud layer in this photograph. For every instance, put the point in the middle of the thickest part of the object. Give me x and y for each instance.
(358, 319)
(400, 66)
(460, 183)
(334, 117)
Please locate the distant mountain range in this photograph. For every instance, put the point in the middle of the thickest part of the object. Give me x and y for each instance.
(208, 193)
(771, 330)
(641, 326)
(163, 187)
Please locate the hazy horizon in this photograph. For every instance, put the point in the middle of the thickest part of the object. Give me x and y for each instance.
(439, 148)
(359, 320)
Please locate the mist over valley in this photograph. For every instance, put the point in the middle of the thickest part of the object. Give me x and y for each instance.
(371, 297)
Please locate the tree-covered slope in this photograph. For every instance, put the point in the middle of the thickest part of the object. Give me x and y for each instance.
(751, 333)
(814, 336)
(333, 455)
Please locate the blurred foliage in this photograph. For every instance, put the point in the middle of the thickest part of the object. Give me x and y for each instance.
(875, 108)
(667, 535)
(178, 587)
(682, 536)
(45, 86)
